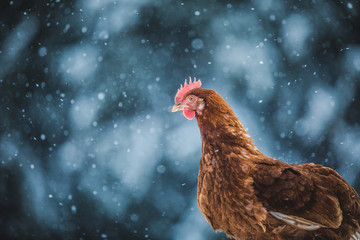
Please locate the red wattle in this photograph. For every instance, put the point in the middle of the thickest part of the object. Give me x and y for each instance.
(189, 114)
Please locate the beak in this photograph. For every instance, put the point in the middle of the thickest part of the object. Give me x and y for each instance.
(176, 108)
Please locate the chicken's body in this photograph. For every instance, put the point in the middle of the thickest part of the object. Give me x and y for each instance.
(251, 196)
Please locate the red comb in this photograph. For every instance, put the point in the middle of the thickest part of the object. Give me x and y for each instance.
(187, 87)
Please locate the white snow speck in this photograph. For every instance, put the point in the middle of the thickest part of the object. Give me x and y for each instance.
(104, 35)
(101, 96)
(42, 51)
(43, 137)
(66, 28)
(73, 209)
(197, 43)
(161, 169)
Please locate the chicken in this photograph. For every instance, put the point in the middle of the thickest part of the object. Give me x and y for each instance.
(251, 196)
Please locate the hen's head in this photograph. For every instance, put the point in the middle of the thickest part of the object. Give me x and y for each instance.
(189, 103)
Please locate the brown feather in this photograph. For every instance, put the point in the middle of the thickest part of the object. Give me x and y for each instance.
(251, 196)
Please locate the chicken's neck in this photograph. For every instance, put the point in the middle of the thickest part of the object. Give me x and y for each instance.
(220, 129)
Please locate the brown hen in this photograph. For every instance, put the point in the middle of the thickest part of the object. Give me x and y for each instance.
(251, 196)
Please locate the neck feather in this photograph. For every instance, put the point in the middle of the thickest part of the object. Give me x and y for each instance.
(221, 128)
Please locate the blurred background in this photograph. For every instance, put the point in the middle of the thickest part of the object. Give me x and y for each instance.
(88, 146)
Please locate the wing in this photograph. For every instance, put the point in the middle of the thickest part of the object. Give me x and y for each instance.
(329, 179)
(300, 195)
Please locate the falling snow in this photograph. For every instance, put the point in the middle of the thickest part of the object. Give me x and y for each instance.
(88, 146)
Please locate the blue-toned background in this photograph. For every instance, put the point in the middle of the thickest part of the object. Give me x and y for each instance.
(88, 146)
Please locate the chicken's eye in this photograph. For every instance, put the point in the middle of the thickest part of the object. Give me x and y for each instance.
(191, 98)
